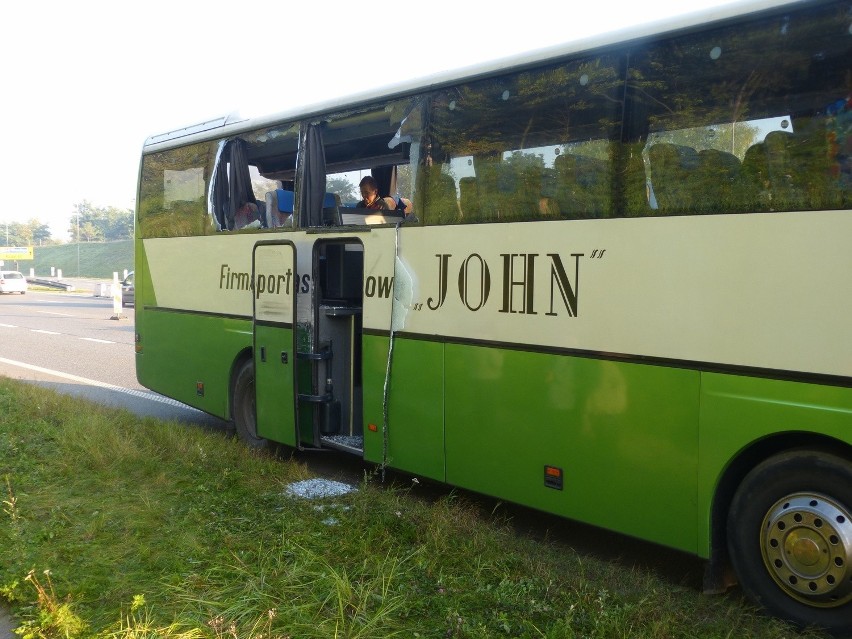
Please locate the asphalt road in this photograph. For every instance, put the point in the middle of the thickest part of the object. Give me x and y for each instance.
(77, 344)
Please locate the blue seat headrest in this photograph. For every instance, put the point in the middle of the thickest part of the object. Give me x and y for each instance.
(285, 200)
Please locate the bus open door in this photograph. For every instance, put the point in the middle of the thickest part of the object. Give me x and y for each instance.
(275, 361)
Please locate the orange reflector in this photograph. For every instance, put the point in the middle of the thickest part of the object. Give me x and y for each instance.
(372, 428)
(199, 389)
(553, 477)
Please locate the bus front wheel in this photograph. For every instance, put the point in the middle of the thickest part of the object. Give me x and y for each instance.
(244, 408)
(790, 538)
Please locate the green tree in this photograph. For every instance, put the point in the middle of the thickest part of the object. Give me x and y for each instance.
(118, 224)
(100, 224)
(39, 232)
(347, 191)
(90, 233)
(34, 232)
(17, 235)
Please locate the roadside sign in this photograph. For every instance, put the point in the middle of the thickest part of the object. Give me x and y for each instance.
(16, 253)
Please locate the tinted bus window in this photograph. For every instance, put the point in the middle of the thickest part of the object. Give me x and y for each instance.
(535, 145)
(173, 191)
(752, 117)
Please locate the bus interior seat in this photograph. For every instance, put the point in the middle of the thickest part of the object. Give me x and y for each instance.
(581, 185)
(469, 197)
(549, 183)
(818, 157)
(548, 205)
(527, 192)
(279, 207)
(780, 169)
(490, 191)
(673, 169)
(717, 178)
(754, 179)
(436, 195)
(331, 210)
(512, 189)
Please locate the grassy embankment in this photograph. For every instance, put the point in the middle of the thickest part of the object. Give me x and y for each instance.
(123, 527)
(97, 259)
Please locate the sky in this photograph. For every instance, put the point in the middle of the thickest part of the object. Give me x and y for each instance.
(83, 84)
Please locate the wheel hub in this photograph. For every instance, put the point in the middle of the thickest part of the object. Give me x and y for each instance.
(806, 542)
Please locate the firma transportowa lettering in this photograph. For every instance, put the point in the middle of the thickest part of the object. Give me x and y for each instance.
(274, 284)
(520, 287)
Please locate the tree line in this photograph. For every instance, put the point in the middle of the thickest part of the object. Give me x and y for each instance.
(88, 223)
(32, 233)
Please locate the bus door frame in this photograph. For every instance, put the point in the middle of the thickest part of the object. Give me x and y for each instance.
(274, 340)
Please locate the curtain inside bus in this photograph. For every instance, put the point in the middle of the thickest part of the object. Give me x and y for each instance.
(313, 179)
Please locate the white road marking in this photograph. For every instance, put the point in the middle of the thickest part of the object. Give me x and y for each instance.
(55, 313)
(36, 330)
(93, 382)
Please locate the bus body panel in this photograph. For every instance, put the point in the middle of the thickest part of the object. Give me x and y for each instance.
(738, 412)
(623, 435)
(415, 426)
(181, 350)
(697, 291)
(276, 416)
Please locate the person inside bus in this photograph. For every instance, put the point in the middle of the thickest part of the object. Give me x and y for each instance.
(247, 216)
(370, 196)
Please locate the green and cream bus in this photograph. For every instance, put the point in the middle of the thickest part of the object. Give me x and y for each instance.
(610, 280)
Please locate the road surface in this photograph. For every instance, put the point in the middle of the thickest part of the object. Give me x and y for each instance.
(72, 342)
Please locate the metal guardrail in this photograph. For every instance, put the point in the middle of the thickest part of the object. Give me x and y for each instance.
(51, 284)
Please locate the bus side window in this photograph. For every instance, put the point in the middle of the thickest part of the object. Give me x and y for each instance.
(436, 201)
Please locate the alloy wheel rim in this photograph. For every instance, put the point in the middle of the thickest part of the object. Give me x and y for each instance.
(806, 543)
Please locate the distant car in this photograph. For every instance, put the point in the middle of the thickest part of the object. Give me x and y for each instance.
(128, 292)
(12, 282)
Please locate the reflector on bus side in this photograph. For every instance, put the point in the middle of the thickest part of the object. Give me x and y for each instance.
(553, 477)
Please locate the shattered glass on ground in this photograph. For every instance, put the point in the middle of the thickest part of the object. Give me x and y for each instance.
(318, 489)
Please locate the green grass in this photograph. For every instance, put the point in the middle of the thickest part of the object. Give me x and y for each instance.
(97, 259)
(118, 526)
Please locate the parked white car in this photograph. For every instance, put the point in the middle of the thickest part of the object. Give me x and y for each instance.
(12, 282)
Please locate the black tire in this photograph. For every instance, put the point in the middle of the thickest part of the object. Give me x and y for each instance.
(790, 538)
(244, 411)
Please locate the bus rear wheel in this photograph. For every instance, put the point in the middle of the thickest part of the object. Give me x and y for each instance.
(245, 410)
(790, 538)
